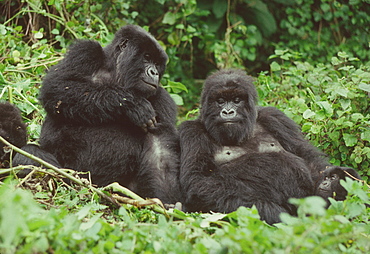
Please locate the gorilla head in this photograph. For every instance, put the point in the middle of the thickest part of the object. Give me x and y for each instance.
(138, 60)
(228, 106)
(329, 185)
(12, 129)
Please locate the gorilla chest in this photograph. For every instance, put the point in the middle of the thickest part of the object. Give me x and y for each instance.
(257, 145)
(157, 152)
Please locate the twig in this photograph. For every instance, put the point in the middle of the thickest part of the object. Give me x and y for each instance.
(156, 207)
(59, 171)
(114, 186)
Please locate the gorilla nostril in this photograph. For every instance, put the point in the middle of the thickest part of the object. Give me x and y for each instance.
(152, 72)
(228, 113)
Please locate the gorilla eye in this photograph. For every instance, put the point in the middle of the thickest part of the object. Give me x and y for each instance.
(237, 100)
(334, 176)
(123, 44)
(220, 101)
(147, 56)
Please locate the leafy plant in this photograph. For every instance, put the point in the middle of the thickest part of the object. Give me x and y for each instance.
(329, 101)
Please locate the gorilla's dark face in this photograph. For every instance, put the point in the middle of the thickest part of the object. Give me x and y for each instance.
(330, 182)
(228, 107)
(139, 60)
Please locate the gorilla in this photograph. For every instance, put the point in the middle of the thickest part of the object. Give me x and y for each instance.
(12, 129)
(329, 185)
(107, 114)
(237, 154)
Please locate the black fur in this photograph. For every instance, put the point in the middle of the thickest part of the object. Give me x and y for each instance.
(329, 185)
(12, 129)
(107, 114)
(256, 157)
(35, 150)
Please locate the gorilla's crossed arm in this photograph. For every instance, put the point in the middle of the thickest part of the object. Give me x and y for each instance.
(93, 85)
(237, 154)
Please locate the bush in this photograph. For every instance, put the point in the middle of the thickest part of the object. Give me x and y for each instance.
(75, 222)
(330, 102)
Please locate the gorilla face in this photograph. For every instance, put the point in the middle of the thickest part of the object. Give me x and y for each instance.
(228, 107)
(139, 60)
(330, 182)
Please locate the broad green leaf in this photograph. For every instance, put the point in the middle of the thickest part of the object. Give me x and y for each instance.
(177, 98)
(350, 139)
(365, 135)
(39, 35)
(326, 106)
(275, 66)
(219, 8)
(365, 87)
(169, 18)
(177, 87)
(308, 113)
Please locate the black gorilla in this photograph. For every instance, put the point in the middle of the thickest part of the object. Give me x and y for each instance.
(237, 154)
(329, 185)
(12, 129)
(107, 114)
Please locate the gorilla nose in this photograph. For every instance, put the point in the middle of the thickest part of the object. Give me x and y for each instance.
(152, 72)
(228, 113)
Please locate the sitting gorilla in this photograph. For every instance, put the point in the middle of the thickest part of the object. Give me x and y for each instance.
(237, 154)
(12, 129)
(107, 114)
(329, 185)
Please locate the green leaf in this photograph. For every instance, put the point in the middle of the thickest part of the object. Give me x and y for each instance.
(275, 66)
(177, 87)
(219, 8)
(91, 222)
(173, 38)
(39, 35)
(350, 139)
(169, 18)
(365, 135)
(177, 98)
(326, 106)
(308, 113)
(365, 87)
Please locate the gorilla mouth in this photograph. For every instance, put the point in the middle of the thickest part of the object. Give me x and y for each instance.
(324, 191)
(230, 122)
(154, 86)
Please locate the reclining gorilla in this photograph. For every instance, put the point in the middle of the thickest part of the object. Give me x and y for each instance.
(236, 154)
(107, 114)
(329, 185)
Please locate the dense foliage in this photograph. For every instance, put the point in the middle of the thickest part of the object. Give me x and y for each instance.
(310, 59)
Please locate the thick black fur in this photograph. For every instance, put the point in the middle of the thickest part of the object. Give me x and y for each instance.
(12, 129)
(107, 114)
(329, 185)
(35, 150)
(258, 156)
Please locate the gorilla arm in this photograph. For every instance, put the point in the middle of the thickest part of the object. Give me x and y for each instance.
(209, 187)
(289, 135)
(82, 89)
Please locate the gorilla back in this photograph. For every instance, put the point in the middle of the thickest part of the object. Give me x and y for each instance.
(107, 114)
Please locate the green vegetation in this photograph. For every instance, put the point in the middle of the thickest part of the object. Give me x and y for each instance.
(311, 59)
